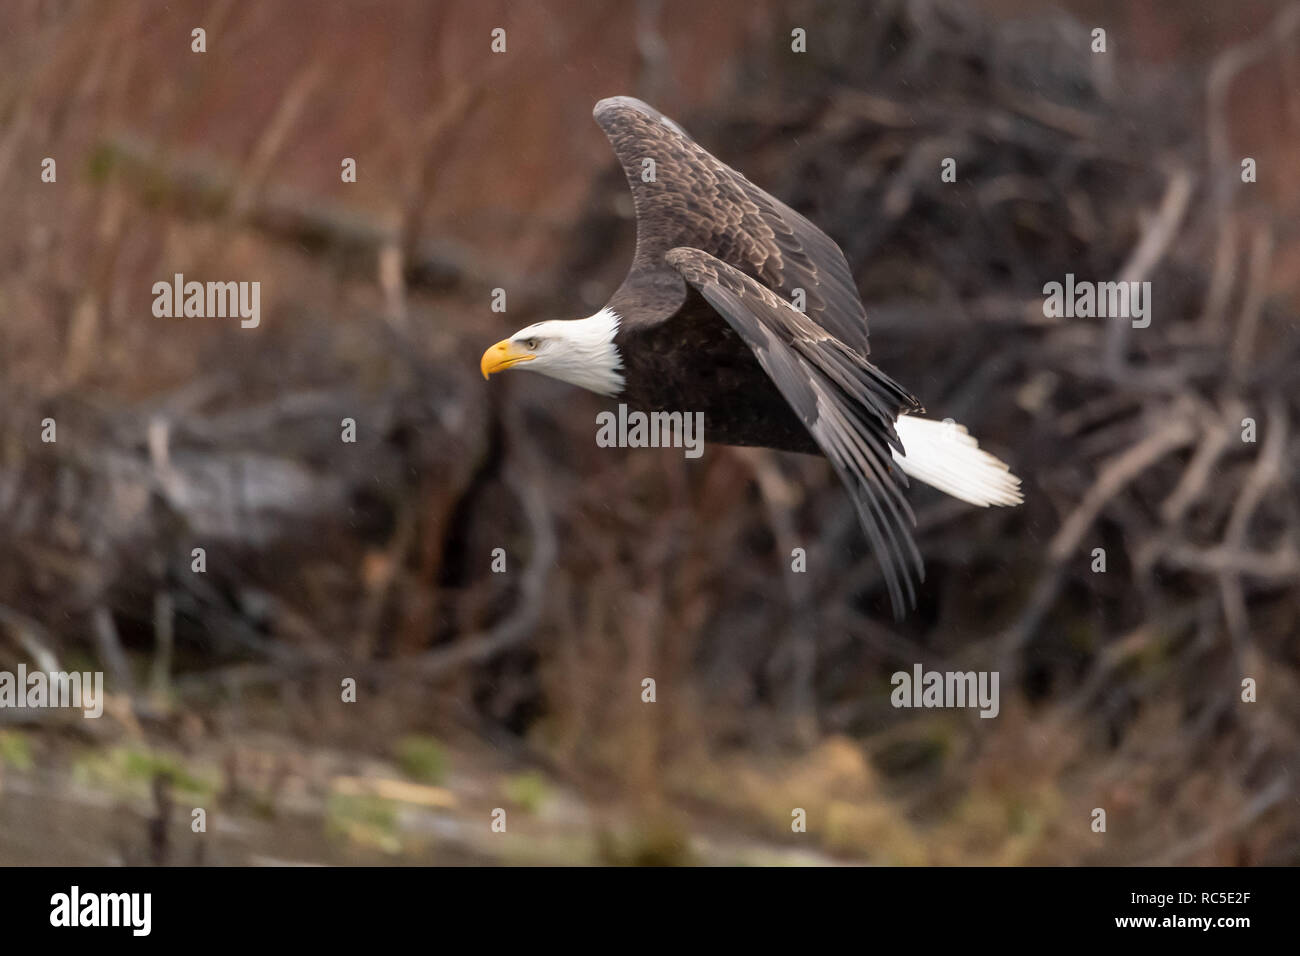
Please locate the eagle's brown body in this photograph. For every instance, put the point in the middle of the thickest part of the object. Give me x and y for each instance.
(695, 362)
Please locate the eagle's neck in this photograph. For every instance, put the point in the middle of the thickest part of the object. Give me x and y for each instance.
(589, 358)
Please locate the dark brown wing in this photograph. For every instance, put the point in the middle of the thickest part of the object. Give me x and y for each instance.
(689, 198)
(847, 404)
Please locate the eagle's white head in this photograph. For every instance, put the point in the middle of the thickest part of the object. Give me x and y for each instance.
(578, 351)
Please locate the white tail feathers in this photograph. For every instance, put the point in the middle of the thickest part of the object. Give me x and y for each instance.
(945, 456)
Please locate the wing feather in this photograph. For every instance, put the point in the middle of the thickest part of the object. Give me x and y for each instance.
(693, 199)
(848, 405)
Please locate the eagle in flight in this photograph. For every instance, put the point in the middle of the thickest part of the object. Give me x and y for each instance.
(704, 323)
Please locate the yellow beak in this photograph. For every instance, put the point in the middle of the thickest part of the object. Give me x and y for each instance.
(503, 355)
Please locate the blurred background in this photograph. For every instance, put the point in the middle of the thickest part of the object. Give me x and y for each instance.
(521, 690)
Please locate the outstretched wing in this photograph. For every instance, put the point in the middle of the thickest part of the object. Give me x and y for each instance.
(848, 405)
(685, 197)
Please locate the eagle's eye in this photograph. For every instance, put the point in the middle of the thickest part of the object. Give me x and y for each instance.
(530, 344)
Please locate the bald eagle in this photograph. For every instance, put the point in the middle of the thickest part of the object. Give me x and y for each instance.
(704, 322)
